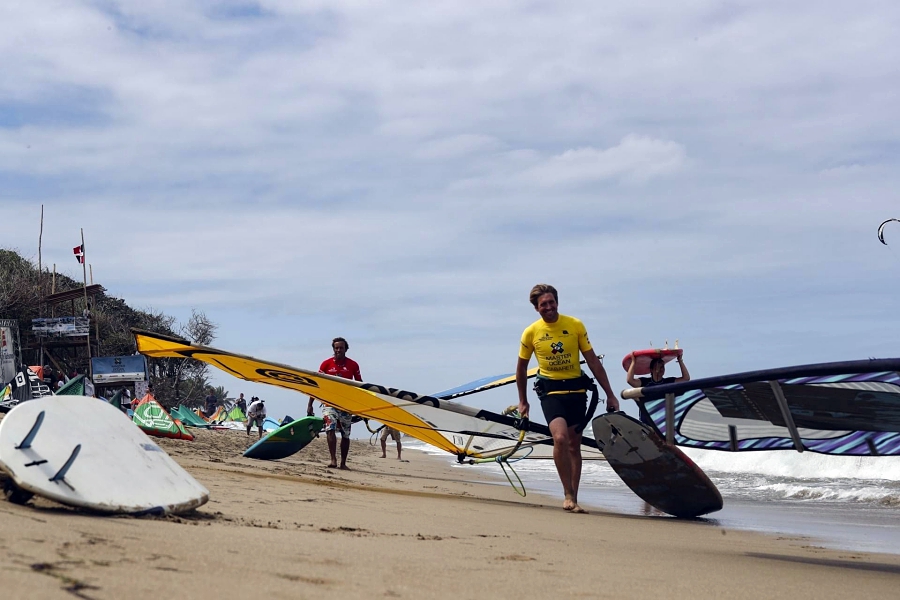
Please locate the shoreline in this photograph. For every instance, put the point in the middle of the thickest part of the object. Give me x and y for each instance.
(293, 528)
(839, 526)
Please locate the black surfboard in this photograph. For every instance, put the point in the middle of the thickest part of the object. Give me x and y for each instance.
(660, 474)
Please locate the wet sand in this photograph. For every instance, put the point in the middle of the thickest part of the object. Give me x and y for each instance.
(295, 529)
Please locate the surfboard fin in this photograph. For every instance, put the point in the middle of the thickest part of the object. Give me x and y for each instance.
(61, 474)
(26, 443)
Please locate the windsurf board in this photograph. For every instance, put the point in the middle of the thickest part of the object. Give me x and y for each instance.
(86, 453)
(645, 357)
(660, 474)
(286, 440)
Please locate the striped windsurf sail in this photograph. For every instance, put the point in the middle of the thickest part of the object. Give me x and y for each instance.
(845, 408)
(456, 428)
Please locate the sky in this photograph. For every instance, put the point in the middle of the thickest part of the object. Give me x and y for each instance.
(402, 173)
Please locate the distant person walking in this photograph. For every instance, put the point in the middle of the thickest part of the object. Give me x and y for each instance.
(340, 366)
(390, 432)
(242, 404)
(562, 387)
(210, 404)
(256, 414)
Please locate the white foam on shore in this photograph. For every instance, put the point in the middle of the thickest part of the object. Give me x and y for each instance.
(808, 465)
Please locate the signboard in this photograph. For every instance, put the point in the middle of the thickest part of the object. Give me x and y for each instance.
(7, 353)
(117, 369)
(61, 327)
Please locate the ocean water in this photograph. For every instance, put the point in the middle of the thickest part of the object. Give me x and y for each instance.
(850, 503)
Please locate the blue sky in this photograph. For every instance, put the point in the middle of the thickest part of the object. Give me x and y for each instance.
(402, 173)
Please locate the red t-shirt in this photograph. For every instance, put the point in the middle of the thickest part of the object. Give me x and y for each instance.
(348, 369)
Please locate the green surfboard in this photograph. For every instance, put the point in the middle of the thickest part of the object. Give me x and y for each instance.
(286, 440)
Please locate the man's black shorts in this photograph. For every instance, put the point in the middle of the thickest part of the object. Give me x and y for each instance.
(571, 407)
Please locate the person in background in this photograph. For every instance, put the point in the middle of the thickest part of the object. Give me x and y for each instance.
(256, 414)
(340, 366)
(390, 431)
(657, 377)
(210, 404)
(242, 403)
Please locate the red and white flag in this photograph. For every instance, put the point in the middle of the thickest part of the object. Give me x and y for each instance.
(79, 253)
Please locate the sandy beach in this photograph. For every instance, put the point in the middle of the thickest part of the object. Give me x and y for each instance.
(295, 529)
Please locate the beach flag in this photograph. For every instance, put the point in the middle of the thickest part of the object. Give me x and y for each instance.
(79, 253)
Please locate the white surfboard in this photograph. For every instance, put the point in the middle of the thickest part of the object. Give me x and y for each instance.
(85, 452)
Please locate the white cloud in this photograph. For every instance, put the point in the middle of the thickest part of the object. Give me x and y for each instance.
(407, 171)
(634, 159)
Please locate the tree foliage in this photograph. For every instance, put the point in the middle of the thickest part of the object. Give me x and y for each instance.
(175, 380)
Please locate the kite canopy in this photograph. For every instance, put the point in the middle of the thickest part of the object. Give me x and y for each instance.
(881, 230)
(236, 414)
(843, 408)
(153, 419)
(467, 432)
(188, 417)
(74, 387)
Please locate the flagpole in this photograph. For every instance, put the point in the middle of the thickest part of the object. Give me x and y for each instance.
(87, 310)
(41, 280)
(40, 268)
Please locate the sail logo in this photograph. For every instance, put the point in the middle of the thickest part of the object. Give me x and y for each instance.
(556, 348)
(287, 377)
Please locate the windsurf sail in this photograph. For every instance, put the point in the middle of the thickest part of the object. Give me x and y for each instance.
(481, 385)
(467, 432)
(842, 408)
(484, 384)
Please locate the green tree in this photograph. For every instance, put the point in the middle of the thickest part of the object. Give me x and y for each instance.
(175, 380)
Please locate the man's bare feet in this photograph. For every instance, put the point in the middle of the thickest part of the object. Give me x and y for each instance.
(384, 456)
(334, 466)
(572, 506)
(345, 468)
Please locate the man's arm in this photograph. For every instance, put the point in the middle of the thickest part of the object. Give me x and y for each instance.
(632, 380)
(685, 376)
(521, 385)
(596, 367)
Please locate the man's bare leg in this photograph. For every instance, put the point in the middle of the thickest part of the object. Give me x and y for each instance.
(575, 460)
(398, 450)
(331, 436)
(383, 448)
(345, 450)
(562, 457)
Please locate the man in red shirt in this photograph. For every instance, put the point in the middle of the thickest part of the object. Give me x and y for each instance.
(339, 366)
